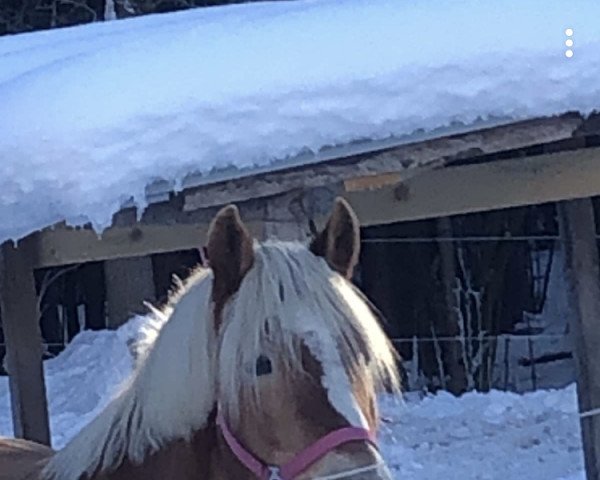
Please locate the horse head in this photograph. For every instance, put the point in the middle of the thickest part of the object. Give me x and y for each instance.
(300, 356)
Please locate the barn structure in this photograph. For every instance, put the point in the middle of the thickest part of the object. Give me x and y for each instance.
(543, 160)
(539, 156)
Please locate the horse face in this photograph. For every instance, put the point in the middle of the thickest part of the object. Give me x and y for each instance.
(300, 352)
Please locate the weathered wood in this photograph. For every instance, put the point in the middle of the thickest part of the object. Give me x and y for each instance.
(20, 323)
(129, 283)
(457, 383)
(431, 193)
(166, 266)
(480, 187)
(576, 218)
(371, 182)
(62, 246)
(286, 231)
(326, 169)
(287, 218)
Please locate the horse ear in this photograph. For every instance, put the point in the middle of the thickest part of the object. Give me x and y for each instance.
(339, 242)
(230, 252)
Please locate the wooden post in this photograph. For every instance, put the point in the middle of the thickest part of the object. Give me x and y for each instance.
(129, 282)
(457, 383)
(20, 323)
(576, 218)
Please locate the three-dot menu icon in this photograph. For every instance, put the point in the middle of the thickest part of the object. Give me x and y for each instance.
(569, 42)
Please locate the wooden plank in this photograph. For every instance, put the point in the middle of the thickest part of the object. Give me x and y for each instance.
(576, 219)
(20, 323)
(457, 381)
(371, 182)
(426, 194)
(286, 218)
(62, 246)
(129, 283)
(400, 158)
(487, 186)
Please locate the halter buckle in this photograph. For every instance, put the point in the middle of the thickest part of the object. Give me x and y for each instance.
(274, 473)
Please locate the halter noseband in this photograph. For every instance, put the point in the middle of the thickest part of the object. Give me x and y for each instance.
(303, 460)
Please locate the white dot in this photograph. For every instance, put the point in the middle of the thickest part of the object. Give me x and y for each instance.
(569, 32)
(569, 53)
(569, 42)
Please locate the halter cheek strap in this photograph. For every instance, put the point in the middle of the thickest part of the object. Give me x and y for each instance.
(302, 461)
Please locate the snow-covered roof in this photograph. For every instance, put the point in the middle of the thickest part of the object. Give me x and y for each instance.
(91, 115)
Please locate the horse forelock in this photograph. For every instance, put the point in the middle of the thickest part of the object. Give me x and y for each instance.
(290, 300)
(169, 395)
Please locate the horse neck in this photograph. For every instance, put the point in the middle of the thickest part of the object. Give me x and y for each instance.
(180, 459)
(225, 465)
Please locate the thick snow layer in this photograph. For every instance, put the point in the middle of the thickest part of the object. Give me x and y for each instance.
(494, 436)
(90, 115)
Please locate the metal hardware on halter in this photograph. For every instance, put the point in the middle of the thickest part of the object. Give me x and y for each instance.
(275, 473)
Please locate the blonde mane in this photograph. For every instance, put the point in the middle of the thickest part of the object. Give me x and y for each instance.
(169, 395)
(290, 298)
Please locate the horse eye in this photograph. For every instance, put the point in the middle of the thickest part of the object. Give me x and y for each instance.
(263, 366)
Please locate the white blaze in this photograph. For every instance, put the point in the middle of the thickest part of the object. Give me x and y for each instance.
(335, 379)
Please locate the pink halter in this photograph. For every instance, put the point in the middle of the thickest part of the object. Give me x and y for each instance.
(302, 460)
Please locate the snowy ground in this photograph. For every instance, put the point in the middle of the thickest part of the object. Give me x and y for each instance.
(499, 435)
(485, 437)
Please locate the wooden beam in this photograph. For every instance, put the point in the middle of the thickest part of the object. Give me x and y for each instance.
(326, 169)
(426, 194)
(372, 182)
(576, 219)
(62, 246)
(480, 187)
(20, 323)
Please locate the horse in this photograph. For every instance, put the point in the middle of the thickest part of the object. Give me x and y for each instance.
(265, 365)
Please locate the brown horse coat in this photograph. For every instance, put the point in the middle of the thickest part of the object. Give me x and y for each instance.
(22, 460)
